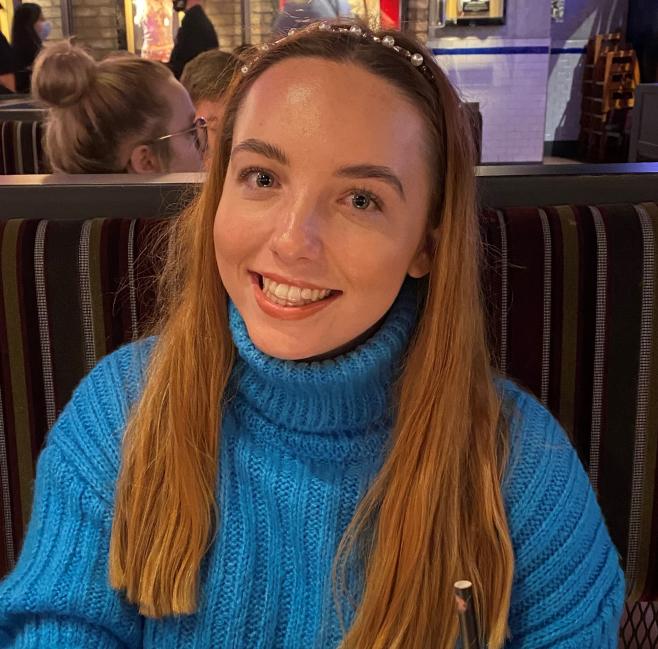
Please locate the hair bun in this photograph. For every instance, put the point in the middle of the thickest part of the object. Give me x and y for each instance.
(63, 74)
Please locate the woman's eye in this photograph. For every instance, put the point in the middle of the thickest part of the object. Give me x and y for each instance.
(263, 179)
(363, 200)
(257, 178)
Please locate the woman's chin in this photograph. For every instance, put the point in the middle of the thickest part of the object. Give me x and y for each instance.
(295, 345)
(284, 348)
(286, 354)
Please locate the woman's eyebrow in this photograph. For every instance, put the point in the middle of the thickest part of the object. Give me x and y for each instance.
(258, 146)
(373, 171)
(273, 152)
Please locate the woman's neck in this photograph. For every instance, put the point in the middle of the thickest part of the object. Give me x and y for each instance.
(347, 392)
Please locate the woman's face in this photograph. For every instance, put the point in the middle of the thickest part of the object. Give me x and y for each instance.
(323, 211)
(40, 27)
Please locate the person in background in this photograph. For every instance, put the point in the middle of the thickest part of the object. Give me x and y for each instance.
(124, 114)
(196, 35)
(29, 30)
(207, 78)
(7, 66)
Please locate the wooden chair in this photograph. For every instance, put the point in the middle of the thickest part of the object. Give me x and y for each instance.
(608, 94)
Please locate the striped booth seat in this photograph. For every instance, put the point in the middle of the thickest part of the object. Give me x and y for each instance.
(22, 149)
(573, 317)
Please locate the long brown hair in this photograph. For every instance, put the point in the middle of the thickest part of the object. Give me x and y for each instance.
(434, 513)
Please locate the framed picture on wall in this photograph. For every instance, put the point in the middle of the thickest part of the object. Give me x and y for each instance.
(557, 11)
(467, 12)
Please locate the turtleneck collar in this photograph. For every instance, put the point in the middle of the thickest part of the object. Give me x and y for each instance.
(343, 395)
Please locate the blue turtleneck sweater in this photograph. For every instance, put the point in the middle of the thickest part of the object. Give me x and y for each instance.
(300, 443)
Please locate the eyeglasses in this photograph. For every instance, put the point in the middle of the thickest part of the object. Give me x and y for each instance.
(199, 130)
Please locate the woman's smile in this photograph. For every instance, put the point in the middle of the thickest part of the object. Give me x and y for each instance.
(290, 299)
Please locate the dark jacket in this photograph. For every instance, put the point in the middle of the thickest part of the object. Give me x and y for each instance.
(25, 51)
(196, 35)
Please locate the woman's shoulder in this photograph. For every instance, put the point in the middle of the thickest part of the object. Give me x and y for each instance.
(89, 430)
(119, 373)
(545, 485)
(568, 583)
(542, 462)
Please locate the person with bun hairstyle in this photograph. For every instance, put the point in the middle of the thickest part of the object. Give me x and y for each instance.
(121, 115)
(312, 446)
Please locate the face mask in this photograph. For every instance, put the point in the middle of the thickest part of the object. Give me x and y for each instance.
(44, 30)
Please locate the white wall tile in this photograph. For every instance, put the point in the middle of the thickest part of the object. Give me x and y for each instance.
(511, 91)
(565, 93)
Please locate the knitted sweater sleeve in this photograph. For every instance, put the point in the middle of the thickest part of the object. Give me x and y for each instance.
(58, 594)
(568, 588)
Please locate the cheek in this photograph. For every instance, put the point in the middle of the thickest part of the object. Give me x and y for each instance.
(224, 233)
(233, 240)
(376, 264)
(185, 156)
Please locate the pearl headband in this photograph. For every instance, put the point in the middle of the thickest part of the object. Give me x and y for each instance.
(388, 41)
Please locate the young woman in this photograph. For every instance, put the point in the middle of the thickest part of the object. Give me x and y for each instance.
(314, 447)
(123, 114)
(29, 30)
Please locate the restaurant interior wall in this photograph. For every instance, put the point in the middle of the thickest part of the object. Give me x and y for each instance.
(99, 24)
(52, 12)
(582, 20)
(226, 16)
(505, 69)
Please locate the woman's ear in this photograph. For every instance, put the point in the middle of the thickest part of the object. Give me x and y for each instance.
(143, 161)
(421, 263)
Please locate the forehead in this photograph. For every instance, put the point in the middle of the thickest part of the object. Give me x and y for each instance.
(318, 106)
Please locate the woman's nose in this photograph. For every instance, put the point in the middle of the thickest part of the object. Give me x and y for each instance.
(298, 235)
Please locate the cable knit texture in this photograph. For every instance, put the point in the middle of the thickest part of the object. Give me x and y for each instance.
(300, 444)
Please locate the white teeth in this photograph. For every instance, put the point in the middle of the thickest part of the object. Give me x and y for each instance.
(294, 294)
(286, 295)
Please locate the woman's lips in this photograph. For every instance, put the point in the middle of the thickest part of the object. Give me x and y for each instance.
(291, 282)
(288, 312)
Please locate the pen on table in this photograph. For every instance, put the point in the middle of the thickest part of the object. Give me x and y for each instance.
(468, 624)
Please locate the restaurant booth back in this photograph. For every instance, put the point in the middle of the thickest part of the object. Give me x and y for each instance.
(571, 288)
(22, 127)
(21, 147)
